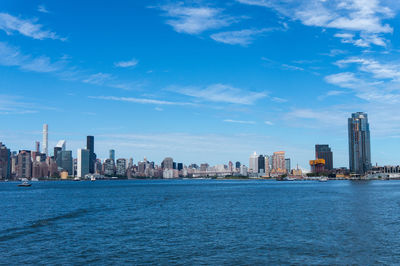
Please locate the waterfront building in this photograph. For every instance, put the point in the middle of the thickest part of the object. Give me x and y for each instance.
(83, 162)
(287, 165)
(253, 163)
(92, 155)
(261, 164)
(359, 143)
(268, 166)
(112, 155)
(109, 167)
(180, 166)
(204, 167)
(5, 162)
(37, 146)
(167, 163)
(279, 162)
(243, 170)
(317, 166)
(323, 151)
(65, 161)
(98, 167)
(24, 166)
(237, 166)
(45, 143)
(121, 167)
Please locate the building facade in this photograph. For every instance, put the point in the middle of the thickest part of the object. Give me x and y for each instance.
(83, 162)
(323, 151)
(359, 143)
(121, 167)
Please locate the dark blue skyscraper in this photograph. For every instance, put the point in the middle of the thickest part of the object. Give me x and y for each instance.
(359, 143)
(92, 156)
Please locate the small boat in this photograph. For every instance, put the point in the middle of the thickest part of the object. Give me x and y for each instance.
(323, 179)
(93, 178)
(34, 179)
(77, 179)
(25, 184)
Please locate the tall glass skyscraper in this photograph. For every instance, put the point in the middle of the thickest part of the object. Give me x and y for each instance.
(323, 151)
(92, 156)
(359, 143)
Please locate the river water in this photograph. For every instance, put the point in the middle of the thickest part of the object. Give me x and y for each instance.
(197, 222)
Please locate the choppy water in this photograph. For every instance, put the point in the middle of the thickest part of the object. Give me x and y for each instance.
(200, 222)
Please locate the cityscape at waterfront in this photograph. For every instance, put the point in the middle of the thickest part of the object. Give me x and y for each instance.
(199, 132)
(40, 164)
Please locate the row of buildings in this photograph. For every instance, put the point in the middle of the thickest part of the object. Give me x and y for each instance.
(39, 163)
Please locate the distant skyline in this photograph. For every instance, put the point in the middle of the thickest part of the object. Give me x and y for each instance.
(201, 81)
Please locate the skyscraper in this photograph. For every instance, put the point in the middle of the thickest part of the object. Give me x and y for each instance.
(90, 148)
(323, 151)
(5, 162)
(112, 155)
(279, 161)
(287, 165)
(261, 164)
(253, 163)
(45, 144)
(359, 143)
(82, 162)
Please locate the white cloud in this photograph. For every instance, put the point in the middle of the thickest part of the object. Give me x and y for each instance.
(138, 100)
(365, 17)
(29, 28)
(222, 93)
(377, 69)
(278, 100)
(269, 123)
(43, 9)
(11, 56)
(240, 37)
(98, 78)
(344, 80)
(239, 121)
(195, 19)
(130, 63)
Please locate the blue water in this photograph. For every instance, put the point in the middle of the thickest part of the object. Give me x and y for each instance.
(190, 222)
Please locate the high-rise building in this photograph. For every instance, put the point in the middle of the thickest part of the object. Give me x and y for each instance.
(279, 161)
(83, 162)
(323, 151)
(5, 162)
(65, 162)
(261, 164)
(253, 163)
(45, 143)
(237, 165)
(121, 167)
(24, 166)
(359, 143)
(37, 146)
(167, 163)
(179, 166)
(109, 167)
(112, 155)
(90, 148)
(287, 165)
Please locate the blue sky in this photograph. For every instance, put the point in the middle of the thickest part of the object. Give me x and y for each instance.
(201, 81)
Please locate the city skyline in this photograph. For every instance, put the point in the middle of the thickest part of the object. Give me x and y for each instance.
(200, 80)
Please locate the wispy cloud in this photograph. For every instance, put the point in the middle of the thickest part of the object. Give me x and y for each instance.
(26, 27)
(131, 63)
(98, 78)
(240, 37)
(43, 9)
(195, 19)
(350, 16)
(269, 123)
(239, 121)
(139, 100)
(11, 56)
(222, 93)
